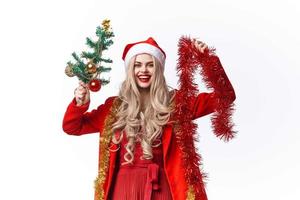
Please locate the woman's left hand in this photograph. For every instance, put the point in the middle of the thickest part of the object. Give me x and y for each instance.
(201, 46)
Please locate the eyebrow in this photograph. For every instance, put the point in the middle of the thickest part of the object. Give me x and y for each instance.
(146, 63)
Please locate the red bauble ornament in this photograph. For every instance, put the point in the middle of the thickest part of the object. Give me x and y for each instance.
(95, 85)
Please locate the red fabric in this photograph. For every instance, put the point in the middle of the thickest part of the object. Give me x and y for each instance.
(77, 121)
(142, 180)
(190, 59)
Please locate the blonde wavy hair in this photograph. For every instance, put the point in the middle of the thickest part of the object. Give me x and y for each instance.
(144, 127)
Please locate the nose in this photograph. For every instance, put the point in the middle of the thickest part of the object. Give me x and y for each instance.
(144, 68)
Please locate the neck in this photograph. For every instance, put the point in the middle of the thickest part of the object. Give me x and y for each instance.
(145, 95)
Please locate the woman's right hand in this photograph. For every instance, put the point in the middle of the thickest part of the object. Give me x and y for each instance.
(82, 94)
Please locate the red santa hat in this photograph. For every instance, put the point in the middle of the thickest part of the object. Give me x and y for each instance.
(148, 46)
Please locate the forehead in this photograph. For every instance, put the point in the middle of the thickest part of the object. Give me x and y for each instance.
(144, 57)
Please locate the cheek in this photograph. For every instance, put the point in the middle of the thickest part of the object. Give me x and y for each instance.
(152, 74)
(152, 77)
(135, 72)
(151, 70)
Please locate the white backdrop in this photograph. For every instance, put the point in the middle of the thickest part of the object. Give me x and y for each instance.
(257, 42)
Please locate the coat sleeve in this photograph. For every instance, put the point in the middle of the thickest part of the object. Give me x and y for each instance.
(208, 102)
(203, 104)
(77, 121)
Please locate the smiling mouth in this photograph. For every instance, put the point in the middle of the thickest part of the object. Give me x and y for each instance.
(144, 78)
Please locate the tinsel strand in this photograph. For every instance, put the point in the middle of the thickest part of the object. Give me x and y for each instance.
(104, 152)
(190, 58)
(215, 78)
(186, 130)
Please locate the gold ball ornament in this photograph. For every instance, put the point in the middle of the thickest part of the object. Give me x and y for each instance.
(69, 71)
(91, 68)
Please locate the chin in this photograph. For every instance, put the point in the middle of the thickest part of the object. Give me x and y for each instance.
(144, 86)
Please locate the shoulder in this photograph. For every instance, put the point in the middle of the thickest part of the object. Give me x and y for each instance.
(106, 109)
(109, 101)
(112, 101)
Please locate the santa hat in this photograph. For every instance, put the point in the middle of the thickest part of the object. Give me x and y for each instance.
(148, 46)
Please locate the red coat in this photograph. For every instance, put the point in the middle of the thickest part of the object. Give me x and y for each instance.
(78, 122)
(181, 162)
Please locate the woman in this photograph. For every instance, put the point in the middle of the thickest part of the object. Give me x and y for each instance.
(144, 152)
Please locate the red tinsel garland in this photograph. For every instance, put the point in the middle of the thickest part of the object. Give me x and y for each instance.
(214, 76)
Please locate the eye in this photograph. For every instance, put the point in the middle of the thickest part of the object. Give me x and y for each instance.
(151, 65)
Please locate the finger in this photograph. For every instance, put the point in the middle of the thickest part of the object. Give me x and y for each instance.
(81, 95)
(82, 88)
(85, 85)
(82, 91)
(79, 98)
(195, 43)
(201, 44)
(204, 47)
(82, 84)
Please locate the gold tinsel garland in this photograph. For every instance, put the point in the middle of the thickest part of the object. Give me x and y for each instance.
(190, 193)
(104, 153)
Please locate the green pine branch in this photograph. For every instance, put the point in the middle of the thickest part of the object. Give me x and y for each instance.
(104, 81)
(95, 55)
(88, 55)
(104, 69)
(90, 43)
(106, 60)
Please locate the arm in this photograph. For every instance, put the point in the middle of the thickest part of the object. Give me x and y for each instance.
(202, 104)
(77, 121)
(219, 102)
(207, 103)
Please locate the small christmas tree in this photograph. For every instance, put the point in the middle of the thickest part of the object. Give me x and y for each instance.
(89, 71)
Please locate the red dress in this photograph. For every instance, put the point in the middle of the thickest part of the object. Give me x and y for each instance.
(142, 180)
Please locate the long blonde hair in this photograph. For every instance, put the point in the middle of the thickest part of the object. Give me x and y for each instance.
(132, 120)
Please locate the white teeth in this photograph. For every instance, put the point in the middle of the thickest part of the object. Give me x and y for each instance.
(144, 76)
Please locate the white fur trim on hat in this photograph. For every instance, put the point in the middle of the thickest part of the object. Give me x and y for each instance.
(145, 48)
